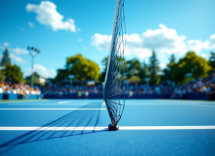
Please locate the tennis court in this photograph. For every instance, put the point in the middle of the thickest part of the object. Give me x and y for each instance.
(79, 127)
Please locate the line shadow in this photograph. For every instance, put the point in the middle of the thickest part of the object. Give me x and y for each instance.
(73, 119)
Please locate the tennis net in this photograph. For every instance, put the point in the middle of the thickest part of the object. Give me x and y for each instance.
(114, 87)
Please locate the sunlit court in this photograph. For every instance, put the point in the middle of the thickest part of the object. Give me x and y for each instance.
(168, 127)
(108, 77)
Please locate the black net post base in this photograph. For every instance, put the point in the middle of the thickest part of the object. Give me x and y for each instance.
(113, 128)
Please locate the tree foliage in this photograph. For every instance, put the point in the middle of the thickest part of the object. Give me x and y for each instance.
(121, 62)
(191, 63)
(13, 74)
(61, 74)
(2, 76)
(133, 68)
(154, 69)
(10, 73)
(172, 59)
(103, 73)
(5, 58)
(82, 68)
(212, 61)
(144, 72)
(135, 79)
(167, 71)
(35, 81)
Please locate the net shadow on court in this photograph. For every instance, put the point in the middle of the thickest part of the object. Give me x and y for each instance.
(73, 119)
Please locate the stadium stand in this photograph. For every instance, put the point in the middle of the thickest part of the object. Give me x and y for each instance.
(198, 89)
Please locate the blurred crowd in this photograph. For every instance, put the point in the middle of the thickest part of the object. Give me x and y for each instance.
(66, 89)
(198, 85)
(22, 89)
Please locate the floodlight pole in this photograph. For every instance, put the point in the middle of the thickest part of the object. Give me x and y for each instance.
(33, 52)
(32, 71)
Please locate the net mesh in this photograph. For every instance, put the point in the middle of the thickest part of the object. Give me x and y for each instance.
(115, 87)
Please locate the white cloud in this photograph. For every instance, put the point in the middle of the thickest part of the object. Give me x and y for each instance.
(210, 44)
(6, 44)
(31, 24)
(162, 40)
(16, 58)
(134, 46)
(80, 39)
(48, 15)
(43, 71)
(19, 51)
(101, 42)
(195, 45)
(183, 37)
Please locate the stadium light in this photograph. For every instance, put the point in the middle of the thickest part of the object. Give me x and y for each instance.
(33, 52)
(71, 77)
(188, 75)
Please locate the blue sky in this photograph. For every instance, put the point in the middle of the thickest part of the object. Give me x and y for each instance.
(62, 29)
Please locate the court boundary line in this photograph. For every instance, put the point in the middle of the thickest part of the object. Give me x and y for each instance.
(9, 109)
(105, 128)
(62, 102)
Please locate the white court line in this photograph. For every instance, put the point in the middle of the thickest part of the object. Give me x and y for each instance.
(53, 109)
(62, 102)
(49, 104)
(105, 128)
(21, 101)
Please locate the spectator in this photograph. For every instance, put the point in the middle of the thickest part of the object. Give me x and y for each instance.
(86, 94)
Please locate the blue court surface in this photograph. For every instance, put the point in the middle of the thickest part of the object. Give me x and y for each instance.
(79, 127)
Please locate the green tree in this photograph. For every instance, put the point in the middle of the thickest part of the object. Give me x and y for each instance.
(212, 61)
(143, 72)
(82, 68)
(154, 69)
(13, 74)
(34, 80)
(105, 64)
(167, 71)
(2, 76)
(61, 75)
(6, 58)
(172, 59)
(28, 79)
(103, 73)
(191, 63)
(133, 68)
